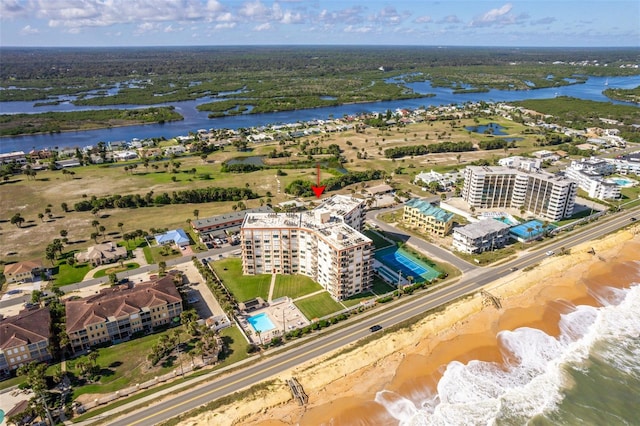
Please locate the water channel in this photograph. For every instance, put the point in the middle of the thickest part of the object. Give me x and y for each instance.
(193, 119)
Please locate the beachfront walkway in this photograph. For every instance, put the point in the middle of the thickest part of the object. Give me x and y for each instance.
(271, 287)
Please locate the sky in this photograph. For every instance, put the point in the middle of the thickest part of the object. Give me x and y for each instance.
(545, 23)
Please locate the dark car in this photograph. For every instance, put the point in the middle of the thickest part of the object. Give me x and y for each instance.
(375, 328)
(633, 219)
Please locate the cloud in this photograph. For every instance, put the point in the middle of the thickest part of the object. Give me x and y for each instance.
(362, 29)
(169, 29)
(70, 14)
(423, 19)
(10, 9)
(225, 26)
(27, 30)
(388, 15)
(352, 15)
(262, 27)
(450, 19)
(255, 10)
(500, 16)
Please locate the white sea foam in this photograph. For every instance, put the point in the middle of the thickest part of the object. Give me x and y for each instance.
(532, 383)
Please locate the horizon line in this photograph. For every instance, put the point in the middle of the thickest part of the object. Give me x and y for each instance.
(437, 46)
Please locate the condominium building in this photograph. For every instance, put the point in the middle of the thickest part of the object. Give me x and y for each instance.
(116, 313)
(24, 338)
(478, 237)
(548, 196)
(427, 217)
(323, 244)
(593, 183)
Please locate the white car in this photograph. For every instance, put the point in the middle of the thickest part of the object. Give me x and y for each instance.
(550, 253)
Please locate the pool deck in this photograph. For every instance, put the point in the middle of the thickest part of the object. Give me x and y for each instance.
(282, 313)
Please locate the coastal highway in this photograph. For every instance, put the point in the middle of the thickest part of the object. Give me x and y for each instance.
(407, 307)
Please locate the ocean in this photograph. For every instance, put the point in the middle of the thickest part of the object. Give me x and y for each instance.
(588, 374)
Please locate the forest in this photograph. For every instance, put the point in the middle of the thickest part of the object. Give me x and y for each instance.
(55, 122)
(310, 74)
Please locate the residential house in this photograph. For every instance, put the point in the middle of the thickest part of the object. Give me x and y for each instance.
(24, 338)
(481, 236)
(25, 271)
(175, 236)
(116, 313)
(426, 217)
(101, 254)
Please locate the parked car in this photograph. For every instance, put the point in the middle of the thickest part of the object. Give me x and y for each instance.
(193, 300)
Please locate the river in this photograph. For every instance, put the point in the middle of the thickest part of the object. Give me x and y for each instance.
(193, 119)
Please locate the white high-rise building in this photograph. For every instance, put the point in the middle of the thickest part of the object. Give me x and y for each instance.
(548, 196)
(323, 244)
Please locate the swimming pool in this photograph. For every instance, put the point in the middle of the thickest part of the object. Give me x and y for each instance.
(530, 230)
(623, 182)
(400, 260)
(261, 322)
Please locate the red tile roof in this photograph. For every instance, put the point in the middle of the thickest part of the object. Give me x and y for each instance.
(29, 326)
(26, 266)
(119, 301)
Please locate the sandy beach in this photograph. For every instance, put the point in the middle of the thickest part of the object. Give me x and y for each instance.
(342, 388)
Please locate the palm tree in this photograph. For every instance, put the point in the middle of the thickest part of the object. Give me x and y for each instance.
(95, 224)
(120, 225)
(196, 212)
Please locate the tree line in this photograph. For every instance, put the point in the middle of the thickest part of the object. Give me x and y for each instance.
(188, 196)
(411, 150)
(302, 188)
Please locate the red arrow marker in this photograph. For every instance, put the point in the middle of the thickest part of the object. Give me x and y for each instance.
(317, 189)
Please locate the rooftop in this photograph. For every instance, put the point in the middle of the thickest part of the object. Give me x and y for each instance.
(340, 205)
(428, 209)
(227, 217)
(330, 229)
(481, 228)
(118, 301)
(29, 326)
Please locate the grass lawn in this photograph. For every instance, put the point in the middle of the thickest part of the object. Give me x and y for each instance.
(124, 364)
(115, 269)
(381, 287)
(294, 286)
(243, 287)
(318, 306)
(133, 244)
(378, 241)
(357, 298)
(70, 274)
(156, 255)
(235, 344)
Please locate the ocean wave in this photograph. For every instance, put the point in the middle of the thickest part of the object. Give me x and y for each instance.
(532, 378)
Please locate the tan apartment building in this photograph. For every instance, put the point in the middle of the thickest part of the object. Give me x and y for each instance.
(24, 338)
(317, 243)
(426, 217)
(117, 312)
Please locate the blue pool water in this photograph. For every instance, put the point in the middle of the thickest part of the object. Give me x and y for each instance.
(537, 228)
(399, 260)
(622, 181)
(261, 322)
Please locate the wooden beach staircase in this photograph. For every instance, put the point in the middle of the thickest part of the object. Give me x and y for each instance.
(297, 391)
(493, 299)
